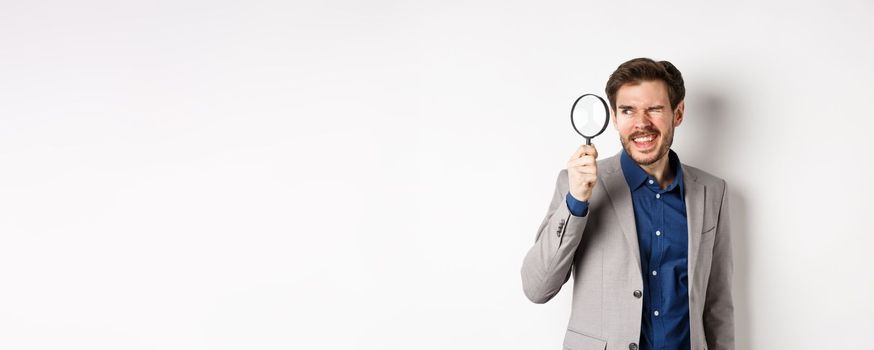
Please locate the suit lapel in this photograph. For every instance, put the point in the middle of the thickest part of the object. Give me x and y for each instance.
(620, 197)
(694, 218)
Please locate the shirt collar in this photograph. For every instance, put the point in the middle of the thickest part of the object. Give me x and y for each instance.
(635, 176)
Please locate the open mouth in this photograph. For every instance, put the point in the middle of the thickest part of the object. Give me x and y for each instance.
(644, 141)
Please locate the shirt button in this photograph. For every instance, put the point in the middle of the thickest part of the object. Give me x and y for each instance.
(654, 272)
(632, 346)
(638, 294)
(650, 182)
(656, 313)
(658, 233)
(658, 196)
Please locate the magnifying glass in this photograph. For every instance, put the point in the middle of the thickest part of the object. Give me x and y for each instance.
(590, 116)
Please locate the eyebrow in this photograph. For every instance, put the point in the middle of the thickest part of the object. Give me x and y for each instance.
(630, 107)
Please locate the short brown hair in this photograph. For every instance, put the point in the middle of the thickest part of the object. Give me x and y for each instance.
(643, 69)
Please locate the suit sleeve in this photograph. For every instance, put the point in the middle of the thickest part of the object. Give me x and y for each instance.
(547, 266)
(718, 305)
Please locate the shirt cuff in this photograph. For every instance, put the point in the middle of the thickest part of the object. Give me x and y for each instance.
(575, 206)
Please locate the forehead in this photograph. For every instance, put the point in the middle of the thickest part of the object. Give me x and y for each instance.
(652, 92)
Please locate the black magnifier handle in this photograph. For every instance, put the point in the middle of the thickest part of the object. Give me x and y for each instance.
(588, 141)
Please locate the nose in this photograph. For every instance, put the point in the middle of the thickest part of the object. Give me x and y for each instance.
(642, 120)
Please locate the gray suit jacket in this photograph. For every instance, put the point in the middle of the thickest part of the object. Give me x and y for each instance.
(601, 251)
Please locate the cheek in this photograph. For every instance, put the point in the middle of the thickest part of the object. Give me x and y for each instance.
(624, 129)
(667, 126)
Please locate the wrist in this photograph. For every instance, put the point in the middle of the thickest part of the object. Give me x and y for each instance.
(575, 206)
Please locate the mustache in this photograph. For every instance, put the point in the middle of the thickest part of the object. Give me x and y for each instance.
(643, 132)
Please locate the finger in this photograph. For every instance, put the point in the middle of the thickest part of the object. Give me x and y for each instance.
(590, 150)
(583, 169)
(584, 160)
(589, 179)
(578, 152)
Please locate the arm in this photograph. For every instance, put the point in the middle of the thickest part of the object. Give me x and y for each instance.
(718, 305)
(547, 265)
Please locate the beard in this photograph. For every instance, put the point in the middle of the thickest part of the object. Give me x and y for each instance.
(649, 158)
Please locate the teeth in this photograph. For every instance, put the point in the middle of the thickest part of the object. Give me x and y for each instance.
(643, 139)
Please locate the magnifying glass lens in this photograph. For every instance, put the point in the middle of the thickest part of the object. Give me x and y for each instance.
(590, 116)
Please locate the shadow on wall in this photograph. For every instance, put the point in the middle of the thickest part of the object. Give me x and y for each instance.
(709, 137)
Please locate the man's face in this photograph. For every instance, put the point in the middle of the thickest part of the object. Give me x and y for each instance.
(645, 121)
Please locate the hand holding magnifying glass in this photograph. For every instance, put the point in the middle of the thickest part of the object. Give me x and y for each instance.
(589, 117)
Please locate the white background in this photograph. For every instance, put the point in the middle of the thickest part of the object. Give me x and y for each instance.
(369, 175)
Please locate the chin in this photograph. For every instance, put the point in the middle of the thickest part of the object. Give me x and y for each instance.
(653, 155)
(645, 159)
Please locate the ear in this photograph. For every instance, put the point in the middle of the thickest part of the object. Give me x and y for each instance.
(678, 113)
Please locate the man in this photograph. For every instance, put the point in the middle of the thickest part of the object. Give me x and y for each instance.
(646, 237)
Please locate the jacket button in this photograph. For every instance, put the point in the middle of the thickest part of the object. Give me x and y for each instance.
(632, 346)
(638, 294)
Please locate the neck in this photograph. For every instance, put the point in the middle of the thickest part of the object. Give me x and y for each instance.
(661, 171)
